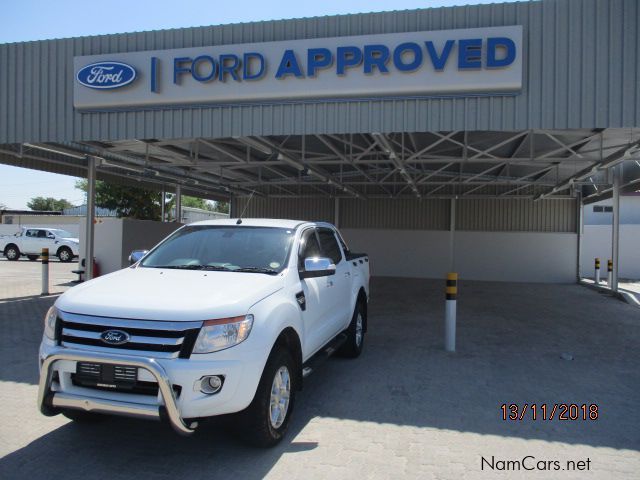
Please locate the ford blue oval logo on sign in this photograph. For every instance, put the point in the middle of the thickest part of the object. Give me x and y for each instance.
(115, 337)
(106, 75)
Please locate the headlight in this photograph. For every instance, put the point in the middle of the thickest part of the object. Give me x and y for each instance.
(223, 333)
(50, 323)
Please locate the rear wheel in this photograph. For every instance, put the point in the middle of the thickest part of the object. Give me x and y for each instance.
(266, 420)
(33, 258)
(12, 253)
(354, 344)
(65, 254)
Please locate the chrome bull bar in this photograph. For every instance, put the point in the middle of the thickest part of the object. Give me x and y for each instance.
(49, 401)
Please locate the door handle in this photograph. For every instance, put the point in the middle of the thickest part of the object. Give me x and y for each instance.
(347, 274)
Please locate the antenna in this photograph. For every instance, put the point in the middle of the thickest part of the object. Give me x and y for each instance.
(245, 208)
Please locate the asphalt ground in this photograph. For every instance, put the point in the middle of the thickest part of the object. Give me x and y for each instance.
(404, 409)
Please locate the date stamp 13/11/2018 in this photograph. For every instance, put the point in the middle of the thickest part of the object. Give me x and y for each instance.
(549, 411)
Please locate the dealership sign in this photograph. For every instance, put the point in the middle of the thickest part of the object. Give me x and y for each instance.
(478, 61)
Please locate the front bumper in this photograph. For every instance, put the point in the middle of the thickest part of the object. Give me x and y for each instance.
(49, 400)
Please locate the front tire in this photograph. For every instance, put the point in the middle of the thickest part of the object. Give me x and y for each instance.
(65, 255)
(12, 253)
(352, 347)
(265, 421)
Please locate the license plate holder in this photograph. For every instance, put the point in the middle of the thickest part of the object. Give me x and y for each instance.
(105, 375)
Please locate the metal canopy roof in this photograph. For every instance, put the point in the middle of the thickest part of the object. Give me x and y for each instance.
(466, 164)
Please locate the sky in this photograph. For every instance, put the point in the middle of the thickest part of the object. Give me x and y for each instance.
(25, 20)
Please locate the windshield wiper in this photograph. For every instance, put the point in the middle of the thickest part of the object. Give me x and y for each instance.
(195, 267)
(256, 270)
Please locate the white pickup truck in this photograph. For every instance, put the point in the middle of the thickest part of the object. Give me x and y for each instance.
(30, 241)
(222, 317)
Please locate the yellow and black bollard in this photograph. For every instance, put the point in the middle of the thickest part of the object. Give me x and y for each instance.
(45, 271)
(610, 272)
(597, 271)
(450, 312)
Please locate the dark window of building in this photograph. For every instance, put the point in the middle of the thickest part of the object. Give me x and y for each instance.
(603, 209)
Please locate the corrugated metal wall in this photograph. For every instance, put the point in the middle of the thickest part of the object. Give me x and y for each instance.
(486, 215)
(581, 70)
(312, 209)
(405, 214)
(495, 215)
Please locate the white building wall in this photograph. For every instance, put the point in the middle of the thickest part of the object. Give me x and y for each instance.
(629, 211)
(596, 243)
(116, 238)
(498, 256)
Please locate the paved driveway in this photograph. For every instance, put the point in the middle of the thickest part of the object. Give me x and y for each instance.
(405, 409)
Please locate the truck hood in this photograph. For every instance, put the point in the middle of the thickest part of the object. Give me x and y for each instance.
(166, 294)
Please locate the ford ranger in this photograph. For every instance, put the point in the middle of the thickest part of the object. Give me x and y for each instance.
(222, 317)
(31, 240)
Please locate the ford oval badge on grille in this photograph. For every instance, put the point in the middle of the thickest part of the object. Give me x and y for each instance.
(115, 337)
(106, 75)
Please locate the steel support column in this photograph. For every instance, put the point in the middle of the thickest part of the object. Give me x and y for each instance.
(452, 232)
(91, 214)
(580, 231)
(163, 214)
(615, 230)
(178, 204)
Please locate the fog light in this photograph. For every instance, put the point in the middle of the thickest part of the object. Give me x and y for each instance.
(211, 384)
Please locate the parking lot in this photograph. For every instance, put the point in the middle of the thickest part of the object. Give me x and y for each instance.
(404, 409)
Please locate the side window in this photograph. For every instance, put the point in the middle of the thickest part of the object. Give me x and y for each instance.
(329, 245)
(42, 234)
(31, 233)
(309, 247)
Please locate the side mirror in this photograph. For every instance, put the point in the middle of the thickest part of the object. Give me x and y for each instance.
(317, 267)
(136, 255)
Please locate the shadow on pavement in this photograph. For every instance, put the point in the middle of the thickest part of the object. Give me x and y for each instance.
(510, 342)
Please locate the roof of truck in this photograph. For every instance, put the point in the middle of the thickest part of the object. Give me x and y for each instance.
(255, 222)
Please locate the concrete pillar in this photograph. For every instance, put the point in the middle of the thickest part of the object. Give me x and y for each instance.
(91, 214)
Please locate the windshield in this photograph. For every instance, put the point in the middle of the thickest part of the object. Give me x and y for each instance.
(232, 248)
(61, 233)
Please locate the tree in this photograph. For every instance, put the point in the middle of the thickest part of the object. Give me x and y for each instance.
(195, 202)
(127, 201)
(48, 204)
(3, 206)
(222, 207)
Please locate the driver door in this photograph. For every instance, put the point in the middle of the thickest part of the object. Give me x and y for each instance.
(315, 319)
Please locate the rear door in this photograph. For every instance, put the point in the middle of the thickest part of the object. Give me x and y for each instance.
(338, 286)
(29, 241)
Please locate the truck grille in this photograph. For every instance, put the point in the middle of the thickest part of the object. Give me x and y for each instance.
(145, 337)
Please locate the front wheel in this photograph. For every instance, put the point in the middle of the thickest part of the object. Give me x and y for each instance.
(354, 344)
(65, 255)
(267, 418)
(12, 253)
